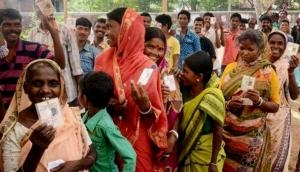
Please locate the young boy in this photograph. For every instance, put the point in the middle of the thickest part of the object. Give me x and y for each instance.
(96, 88)
(3, 48)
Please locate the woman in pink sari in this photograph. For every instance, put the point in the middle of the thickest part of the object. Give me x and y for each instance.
(155, 49)
(141, 119)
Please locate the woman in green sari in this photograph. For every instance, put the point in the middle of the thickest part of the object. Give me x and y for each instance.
(200, 127)
(246, 136)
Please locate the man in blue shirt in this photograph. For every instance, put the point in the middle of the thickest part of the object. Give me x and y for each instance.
(87, 52)
(189, 41)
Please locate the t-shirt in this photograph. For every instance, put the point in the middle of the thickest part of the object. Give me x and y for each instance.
(108, 141)
(230, 47)
(10, 72)
(173, 49)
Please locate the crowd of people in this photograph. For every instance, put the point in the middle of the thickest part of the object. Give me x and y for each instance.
(145, 98)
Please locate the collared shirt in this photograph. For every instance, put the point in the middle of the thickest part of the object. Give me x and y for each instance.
(3, 50)
(10, 72)
(230, 49)
(108, 140)
(189, 44)
(211, 35)
(87, 58)
(71, 52)
(102, 46)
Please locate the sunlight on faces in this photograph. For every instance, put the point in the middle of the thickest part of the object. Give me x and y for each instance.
(155, 49)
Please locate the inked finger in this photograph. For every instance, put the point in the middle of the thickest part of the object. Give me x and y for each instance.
(142, 91)
(134, 90)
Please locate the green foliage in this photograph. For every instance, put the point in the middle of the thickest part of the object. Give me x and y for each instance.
(173, 5)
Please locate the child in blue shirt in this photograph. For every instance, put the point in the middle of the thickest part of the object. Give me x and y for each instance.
(96, 88)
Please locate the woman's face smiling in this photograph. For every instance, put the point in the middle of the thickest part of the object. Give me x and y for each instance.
(277, 45)
(43, 84)
(155, 49)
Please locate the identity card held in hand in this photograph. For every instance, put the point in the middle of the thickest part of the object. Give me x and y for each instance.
(248, 82)
(46, 7)
(145, 76)
(291, 50)
(49, 112)
(169, 80)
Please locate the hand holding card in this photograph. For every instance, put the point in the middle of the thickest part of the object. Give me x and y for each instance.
(145, 76)
(213, 20)
(49, 112)
(169, 80)
(248, 82)
(54, 164)
(291, 50)
(46, 7)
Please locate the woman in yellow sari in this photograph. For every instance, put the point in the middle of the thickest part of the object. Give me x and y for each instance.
(28, 145)
(245, 133)
(200, 127)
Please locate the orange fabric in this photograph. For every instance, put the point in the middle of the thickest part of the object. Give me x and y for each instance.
(131, 61)
(71, 140)
(230, 49)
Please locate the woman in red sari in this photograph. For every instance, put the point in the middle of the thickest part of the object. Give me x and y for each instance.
(141, 119)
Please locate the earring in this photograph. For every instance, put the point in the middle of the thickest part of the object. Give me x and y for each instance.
(198, 80)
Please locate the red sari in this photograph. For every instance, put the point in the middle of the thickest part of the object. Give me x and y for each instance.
(126, 63)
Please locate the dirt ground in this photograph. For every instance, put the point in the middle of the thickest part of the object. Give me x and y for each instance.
(295, 135)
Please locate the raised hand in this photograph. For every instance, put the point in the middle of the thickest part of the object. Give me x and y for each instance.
(42, 136)
(294, 62)
(140, 97)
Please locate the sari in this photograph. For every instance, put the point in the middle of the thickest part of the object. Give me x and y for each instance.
(173, 106)
(246, 136)
(196, 145)
(126, 63)
(280, 122)
(71, 140)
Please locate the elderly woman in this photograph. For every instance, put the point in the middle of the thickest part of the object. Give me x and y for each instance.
(245, 133)
(141, 118)
(28, 145)
(280, 122)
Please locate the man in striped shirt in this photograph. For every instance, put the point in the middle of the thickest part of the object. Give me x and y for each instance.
(20, 54)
